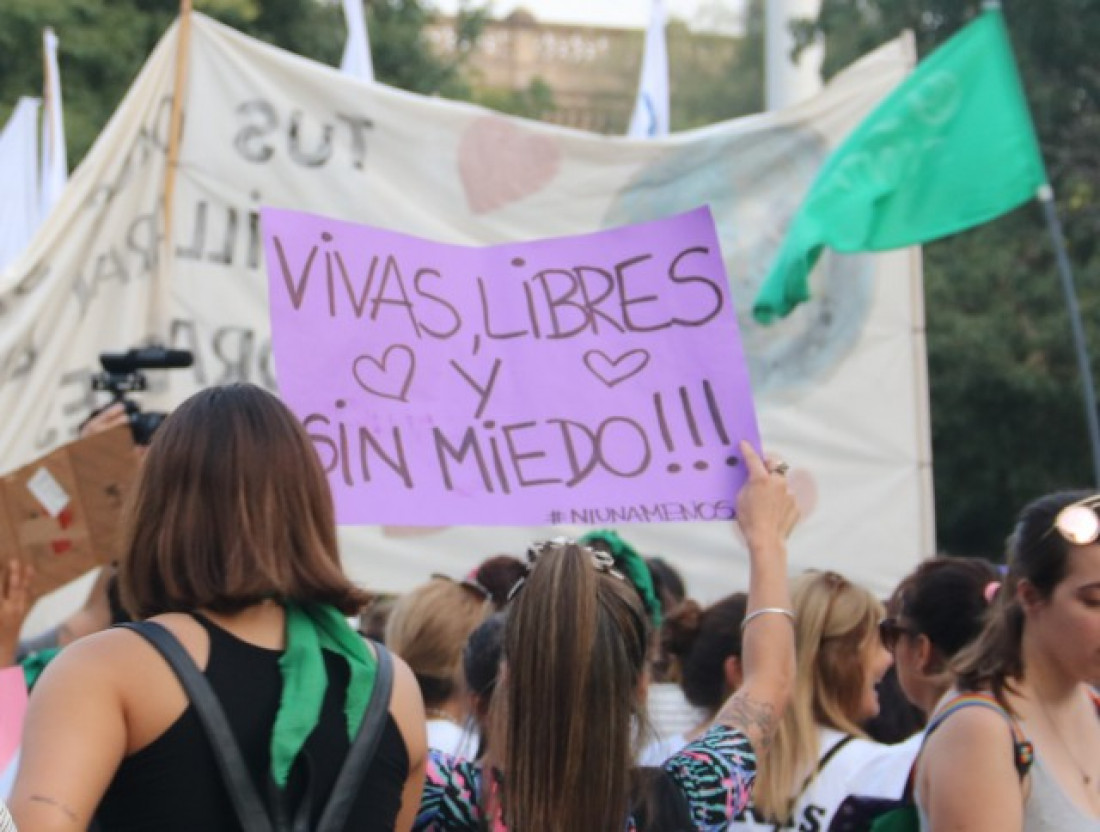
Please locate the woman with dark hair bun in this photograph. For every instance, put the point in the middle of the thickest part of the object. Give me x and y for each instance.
(1016, 748)
(704, 646)
(496, 576)
(232, 563)
(936, 611)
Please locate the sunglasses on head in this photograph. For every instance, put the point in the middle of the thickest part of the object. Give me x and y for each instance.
(1078, 523)
(890, 630)
(470, 582)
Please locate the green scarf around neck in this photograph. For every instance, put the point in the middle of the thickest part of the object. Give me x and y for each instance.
(309, 629)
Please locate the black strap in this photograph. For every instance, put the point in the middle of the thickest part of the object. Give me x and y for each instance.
(361, 754)
(821, 763)
(250, 810)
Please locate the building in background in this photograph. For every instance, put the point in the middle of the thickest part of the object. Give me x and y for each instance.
(589, 72)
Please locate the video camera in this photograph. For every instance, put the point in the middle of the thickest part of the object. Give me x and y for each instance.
(122, 374)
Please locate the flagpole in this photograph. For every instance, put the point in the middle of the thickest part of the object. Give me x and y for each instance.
(183, 49)
(1069, 289)
(160, 292)
(1084, 366)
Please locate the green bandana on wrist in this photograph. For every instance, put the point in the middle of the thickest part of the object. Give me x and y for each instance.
(633, 566)
(309, 629)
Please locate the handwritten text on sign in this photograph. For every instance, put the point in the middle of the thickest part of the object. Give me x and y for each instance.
(524, 384)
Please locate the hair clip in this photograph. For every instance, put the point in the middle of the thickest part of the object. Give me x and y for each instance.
(601, 561)
(604, 562)
(990, 591)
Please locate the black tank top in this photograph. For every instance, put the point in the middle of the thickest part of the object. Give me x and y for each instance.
(173, 783)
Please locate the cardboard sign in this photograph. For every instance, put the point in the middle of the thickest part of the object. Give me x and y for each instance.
(62, 513)
(522, 383)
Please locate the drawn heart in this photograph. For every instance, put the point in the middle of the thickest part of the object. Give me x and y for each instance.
(612, 371)
(500, 163)
(382, 379)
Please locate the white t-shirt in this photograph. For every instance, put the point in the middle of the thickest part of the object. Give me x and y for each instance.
(860, 767)
(670, 714)
(451, 739)
(658, 751)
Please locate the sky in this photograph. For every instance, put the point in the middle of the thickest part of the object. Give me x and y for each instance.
(703, 14)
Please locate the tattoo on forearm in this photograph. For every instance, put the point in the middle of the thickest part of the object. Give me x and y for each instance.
(49, 801)
(757, 719)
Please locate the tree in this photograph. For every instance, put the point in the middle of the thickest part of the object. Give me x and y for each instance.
(715, 77)
(104, 44)
(1007, 414)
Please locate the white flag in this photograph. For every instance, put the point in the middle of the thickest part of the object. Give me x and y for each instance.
(55, 170)
(651, 116)
(356, 61)
(18, 164)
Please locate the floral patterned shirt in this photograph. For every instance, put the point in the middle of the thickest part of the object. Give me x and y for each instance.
(715, 774)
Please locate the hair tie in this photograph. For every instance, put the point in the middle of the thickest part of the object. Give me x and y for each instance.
(632, 565)
(602, 562)
(990, 591)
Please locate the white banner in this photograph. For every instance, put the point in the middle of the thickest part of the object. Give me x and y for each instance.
(839, 385)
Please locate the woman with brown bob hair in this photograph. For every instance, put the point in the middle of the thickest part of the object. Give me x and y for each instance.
(231, 549)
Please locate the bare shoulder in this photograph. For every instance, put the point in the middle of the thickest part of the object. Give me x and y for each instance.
(96, 655)
(976, 728)
(972, 748)
(967, 777)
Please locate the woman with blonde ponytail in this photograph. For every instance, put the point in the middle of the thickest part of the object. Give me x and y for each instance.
(820, 753)
(572, 688)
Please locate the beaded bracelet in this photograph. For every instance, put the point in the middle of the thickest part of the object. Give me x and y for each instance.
(765, 611)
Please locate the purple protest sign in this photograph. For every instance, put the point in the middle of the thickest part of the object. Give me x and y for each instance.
(568, 380)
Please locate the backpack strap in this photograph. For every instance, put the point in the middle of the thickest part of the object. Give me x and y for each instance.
(246, 802)
(1023, 750)
(363, 749)
(251, 811)
(823, 761)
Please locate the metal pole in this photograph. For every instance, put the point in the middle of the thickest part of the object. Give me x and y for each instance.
(787, 82)
(1084, 366)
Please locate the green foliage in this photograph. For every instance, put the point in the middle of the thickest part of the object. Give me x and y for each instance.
(536, 101)
(715, 78)
(402, 56)
(1008, 420)
(104, 44)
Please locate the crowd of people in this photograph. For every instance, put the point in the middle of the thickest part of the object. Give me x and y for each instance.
(570, 688)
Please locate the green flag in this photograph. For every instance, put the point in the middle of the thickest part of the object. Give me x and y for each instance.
(952, 147)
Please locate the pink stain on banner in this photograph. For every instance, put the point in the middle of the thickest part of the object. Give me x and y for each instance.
(518, 384)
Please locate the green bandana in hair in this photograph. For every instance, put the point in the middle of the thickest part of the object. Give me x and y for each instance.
(309, 629)
(633, 566)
